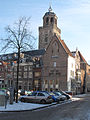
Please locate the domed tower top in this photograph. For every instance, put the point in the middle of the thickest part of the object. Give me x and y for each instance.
(49, 29)
(50, 18)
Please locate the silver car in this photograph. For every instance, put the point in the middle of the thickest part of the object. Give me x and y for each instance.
(37, 97)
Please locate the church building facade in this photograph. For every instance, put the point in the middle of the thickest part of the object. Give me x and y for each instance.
(58, 69)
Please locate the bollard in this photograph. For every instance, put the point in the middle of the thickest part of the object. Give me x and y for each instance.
(11, 95)
(5, 101)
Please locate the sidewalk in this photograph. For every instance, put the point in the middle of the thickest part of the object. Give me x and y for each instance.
(20, 106)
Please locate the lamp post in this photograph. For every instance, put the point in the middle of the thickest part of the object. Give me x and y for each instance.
(78, 83)
(84, 82)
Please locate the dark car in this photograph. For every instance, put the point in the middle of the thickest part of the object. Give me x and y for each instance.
(67, 95)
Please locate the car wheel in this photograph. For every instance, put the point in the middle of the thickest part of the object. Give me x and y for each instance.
(22, 100)
(42, 101)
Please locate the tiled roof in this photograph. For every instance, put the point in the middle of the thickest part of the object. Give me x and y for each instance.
(49, 13)
(82, 58)
(66, 48)
(10, 56)
(35, 52)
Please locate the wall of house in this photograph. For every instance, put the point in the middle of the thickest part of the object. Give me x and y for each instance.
(71, 73)
(25, 80)
(87, 83)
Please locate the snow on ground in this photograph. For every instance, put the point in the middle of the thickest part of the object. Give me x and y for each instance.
(78, 97)
(21, 106)
(75, 99)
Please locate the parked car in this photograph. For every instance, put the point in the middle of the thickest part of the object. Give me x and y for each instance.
(28, 92)
(37, 97)
(55, 97)
(67, 95)
(61, 97)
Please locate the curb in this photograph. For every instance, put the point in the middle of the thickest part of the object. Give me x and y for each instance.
(60, 103)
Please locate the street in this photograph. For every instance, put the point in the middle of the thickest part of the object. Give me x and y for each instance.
(76, 110)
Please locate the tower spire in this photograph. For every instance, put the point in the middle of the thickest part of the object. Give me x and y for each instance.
(50, 8)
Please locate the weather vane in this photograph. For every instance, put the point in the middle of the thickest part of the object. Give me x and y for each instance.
(50, 8)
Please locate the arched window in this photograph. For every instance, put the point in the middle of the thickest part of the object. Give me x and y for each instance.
(47, 20)
(52, 20)
(46, 38)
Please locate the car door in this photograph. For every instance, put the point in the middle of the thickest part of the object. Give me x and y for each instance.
(40, 96)
(32, 97)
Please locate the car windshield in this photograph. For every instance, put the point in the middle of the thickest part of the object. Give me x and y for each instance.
(45, 92)
(58, 93)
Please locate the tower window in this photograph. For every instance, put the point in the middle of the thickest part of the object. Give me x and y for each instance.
(47, 20)
(52, 20)
(46, 38)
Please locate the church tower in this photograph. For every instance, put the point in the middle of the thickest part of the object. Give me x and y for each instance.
(49, 28)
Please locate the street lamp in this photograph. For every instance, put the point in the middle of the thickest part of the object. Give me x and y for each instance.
(84, 82)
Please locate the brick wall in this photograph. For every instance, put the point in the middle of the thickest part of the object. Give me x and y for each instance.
(55, 66)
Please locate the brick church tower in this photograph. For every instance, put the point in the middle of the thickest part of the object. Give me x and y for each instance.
(49, 28)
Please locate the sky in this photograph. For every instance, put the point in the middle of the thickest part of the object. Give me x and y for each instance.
(73, 19)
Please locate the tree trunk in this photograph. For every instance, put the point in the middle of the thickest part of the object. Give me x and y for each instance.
(17, 75)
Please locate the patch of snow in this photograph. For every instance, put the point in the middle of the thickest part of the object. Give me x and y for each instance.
(75, 99)
(21, 106)
(81, 95)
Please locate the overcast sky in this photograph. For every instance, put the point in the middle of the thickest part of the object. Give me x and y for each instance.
(73, 19)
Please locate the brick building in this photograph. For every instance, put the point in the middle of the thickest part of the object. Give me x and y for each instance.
(30, 70)
(82, 72)
(5, 74)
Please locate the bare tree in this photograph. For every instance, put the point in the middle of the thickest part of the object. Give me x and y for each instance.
(19, 38)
